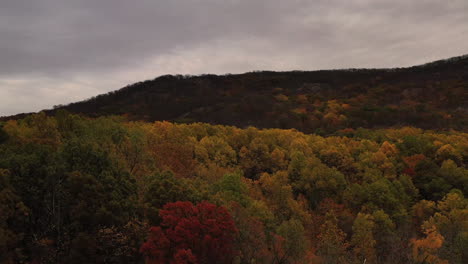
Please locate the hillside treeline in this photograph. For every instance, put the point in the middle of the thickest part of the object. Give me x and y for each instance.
(80, 190)
(431, 96)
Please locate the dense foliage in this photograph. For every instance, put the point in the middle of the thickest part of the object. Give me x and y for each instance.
(105, 190)
(201, 234)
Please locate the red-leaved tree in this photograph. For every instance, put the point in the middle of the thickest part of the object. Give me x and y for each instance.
(191, 234)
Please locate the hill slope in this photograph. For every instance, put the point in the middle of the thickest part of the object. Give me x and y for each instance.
(431, 96)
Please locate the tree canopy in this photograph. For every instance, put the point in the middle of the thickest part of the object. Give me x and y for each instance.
(75, 189)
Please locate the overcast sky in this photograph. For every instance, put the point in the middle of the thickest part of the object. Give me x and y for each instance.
(61, 51)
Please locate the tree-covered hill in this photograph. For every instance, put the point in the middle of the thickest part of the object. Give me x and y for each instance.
(430, 96)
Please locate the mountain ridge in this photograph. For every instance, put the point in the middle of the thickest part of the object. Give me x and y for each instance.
(431, 95)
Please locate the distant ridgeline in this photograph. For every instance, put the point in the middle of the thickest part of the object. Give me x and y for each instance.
(430, 96)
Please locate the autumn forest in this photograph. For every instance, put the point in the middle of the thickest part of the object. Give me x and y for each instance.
(105, 190)
(326, 167)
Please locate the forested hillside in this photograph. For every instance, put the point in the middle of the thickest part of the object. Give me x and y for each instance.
(75, 189)
(431, 96)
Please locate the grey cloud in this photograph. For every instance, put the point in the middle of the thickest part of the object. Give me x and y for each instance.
(63, 51)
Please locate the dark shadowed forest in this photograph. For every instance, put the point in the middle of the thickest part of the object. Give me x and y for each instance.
(430, 96)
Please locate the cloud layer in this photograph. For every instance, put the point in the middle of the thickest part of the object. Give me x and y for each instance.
(55, 51)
